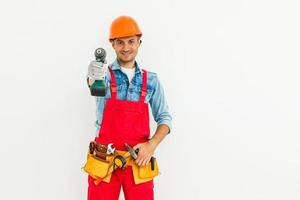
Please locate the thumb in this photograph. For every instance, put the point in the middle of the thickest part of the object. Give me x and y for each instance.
(137, 146)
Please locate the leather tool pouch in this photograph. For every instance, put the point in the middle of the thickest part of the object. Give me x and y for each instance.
(150, 170)
(96, 167)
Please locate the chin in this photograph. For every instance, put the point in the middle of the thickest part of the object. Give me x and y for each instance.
(126, 60)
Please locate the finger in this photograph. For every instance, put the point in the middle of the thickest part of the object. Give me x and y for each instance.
(148, 160)
(140, 162)
(145, 162)
(138, 159)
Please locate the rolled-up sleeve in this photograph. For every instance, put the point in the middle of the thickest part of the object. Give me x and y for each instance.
(100, 101)
(159, 106)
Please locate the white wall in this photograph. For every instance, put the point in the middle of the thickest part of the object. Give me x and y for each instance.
(231, 75)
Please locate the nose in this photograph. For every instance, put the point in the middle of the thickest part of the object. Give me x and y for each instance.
(126, 47)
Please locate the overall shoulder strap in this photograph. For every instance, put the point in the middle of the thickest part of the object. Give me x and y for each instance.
(144, 86)
(113, 85)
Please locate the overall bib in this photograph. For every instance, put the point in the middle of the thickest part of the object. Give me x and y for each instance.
(123, 121)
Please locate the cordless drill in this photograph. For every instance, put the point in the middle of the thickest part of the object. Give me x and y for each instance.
(96, 74)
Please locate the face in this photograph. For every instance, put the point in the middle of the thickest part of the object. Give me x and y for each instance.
(126, 48)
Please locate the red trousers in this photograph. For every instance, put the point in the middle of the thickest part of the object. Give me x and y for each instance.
(124, 179)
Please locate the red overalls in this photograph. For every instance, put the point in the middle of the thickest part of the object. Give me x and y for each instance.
(123, 121)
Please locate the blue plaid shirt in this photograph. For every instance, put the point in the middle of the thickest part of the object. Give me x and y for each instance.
(131, 92)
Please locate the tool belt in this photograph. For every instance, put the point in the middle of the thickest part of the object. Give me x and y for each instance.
(100, 165)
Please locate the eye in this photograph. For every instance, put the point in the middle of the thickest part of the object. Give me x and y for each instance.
(131, 42)
(119, 42)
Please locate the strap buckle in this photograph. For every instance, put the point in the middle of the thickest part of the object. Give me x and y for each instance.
(144, 93)
(113, 89)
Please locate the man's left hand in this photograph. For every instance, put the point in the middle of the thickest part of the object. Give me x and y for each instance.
(146, 151)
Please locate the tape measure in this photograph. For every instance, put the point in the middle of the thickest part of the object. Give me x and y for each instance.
(120, 162)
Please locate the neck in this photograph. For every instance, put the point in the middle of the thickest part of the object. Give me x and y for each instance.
(128, 65)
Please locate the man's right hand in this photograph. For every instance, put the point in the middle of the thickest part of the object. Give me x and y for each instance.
(96, 71)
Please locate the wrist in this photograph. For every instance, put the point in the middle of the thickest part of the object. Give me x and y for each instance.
(153, 142)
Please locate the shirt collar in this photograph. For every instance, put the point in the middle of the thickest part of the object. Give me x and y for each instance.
(116, 66)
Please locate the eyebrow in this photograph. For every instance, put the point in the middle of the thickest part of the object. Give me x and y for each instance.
(130, 40)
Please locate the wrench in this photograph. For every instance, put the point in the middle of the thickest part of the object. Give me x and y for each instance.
(110, 149)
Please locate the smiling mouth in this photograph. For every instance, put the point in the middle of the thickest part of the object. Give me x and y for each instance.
(126, 54)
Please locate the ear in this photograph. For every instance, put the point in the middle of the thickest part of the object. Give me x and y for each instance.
(140, 43)
(112, 43)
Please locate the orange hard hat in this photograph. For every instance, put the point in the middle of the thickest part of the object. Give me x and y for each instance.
(124, 26)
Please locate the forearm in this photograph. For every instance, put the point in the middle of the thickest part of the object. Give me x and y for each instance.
(146, 150)
(161, 131)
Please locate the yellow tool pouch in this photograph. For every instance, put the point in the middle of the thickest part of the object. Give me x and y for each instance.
(96, 167)
(144, 173)
(147, 172)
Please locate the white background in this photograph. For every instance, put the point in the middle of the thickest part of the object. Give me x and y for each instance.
(230, 70)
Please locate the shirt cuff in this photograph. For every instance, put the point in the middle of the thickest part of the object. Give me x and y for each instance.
(166, 122)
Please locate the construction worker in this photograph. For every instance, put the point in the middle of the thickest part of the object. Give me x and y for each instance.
(123, 116)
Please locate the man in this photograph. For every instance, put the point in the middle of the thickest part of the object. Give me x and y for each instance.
(123, 117)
